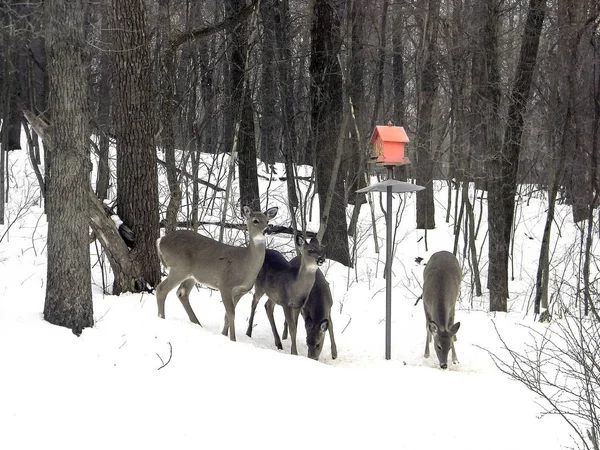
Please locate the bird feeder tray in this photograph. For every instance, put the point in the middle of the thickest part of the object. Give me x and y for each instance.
(388, 145)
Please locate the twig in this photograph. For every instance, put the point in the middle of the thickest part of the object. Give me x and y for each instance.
(170, 356)
(349, 320)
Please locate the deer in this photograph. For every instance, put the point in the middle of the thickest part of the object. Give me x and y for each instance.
(193, 258)
(441, 285)
(287, 286)
(316, 313)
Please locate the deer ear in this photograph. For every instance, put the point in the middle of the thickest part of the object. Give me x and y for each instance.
(324, 325)
(246, 211)
(314, 241)
(433, 328)
(271, 212)
(454, 328)
(300, 241)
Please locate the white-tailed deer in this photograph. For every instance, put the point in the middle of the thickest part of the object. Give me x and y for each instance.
(316, 313)
(286, 285)
(441, 285)
(191, 257)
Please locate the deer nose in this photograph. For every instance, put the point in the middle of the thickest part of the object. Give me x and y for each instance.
(320, 260)
(444, 366)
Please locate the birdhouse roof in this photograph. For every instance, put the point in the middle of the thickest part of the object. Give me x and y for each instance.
(389, 133)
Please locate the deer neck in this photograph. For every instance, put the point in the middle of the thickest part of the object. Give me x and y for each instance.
(256, 250)
(306, 274)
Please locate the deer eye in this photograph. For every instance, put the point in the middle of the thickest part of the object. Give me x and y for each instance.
(255, 221)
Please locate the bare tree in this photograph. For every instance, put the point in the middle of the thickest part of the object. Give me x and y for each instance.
(427, 88)
(326, 120)
(68, 292)
(503, 186)
(135, 130)
(241, 107)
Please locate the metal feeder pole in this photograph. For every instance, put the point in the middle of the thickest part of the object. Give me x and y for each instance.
(388, 268)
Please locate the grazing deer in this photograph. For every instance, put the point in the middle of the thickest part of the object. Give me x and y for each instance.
(316, 313)
(287, 285)
(191, 257)
(441, 285)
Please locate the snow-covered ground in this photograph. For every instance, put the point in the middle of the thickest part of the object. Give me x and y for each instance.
(105, 390)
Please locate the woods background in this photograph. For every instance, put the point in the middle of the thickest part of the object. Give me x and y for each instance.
(494, 95)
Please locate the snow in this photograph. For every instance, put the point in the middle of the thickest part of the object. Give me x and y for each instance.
(137, 381)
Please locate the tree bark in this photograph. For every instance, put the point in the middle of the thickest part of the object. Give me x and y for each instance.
(428, 83)
(268, 120)
(135, 129)
(68, 301)
(242, 111)
(283, 53)
(356, 170)
(167, 112)
(326, 118)
(104, 117)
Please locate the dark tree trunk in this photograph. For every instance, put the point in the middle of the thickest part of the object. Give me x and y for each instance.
(378, 95)
(135, 130)
(485, 129)
(503, 189)
(283, 52)
(268, 122)
(326, 118)
(104, 91)
(485, 125)
(355, 167)
(167, 112)
(398, 76)
(68, 300)
(428, 83)
(241, 103)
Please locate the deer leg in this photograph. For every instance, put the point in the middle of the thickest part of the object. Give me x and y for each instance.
(163, 289)
(270, 307)
(257, 296)
(427, 339)
(332, 339)
(284, 335)
(454, 359)
(229, 320)
(291, 317)
(183, 292)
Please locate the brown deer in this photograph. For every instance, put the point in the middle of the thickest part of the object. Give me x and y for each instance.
(441, 285)
(287, 285)
(316, 313)
(191, 257)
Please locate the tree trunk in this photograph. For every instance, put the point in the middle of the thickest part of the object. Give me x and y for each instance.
(378, 95)
(268, 120)
(135, 129)
(356, 169)
(283, 52)
(428, 83)
(326, 118)
(398, 76)
(68, 300)
(241, 103)
(104, 122)
(167, 112)
(503, 188)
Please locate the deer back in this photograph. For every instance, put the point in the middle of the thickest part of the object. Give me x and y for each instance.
(441, 285)
(216, 264)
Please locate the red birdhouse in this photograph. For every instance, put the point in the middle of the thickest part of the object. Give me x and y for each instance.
(388, 145)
